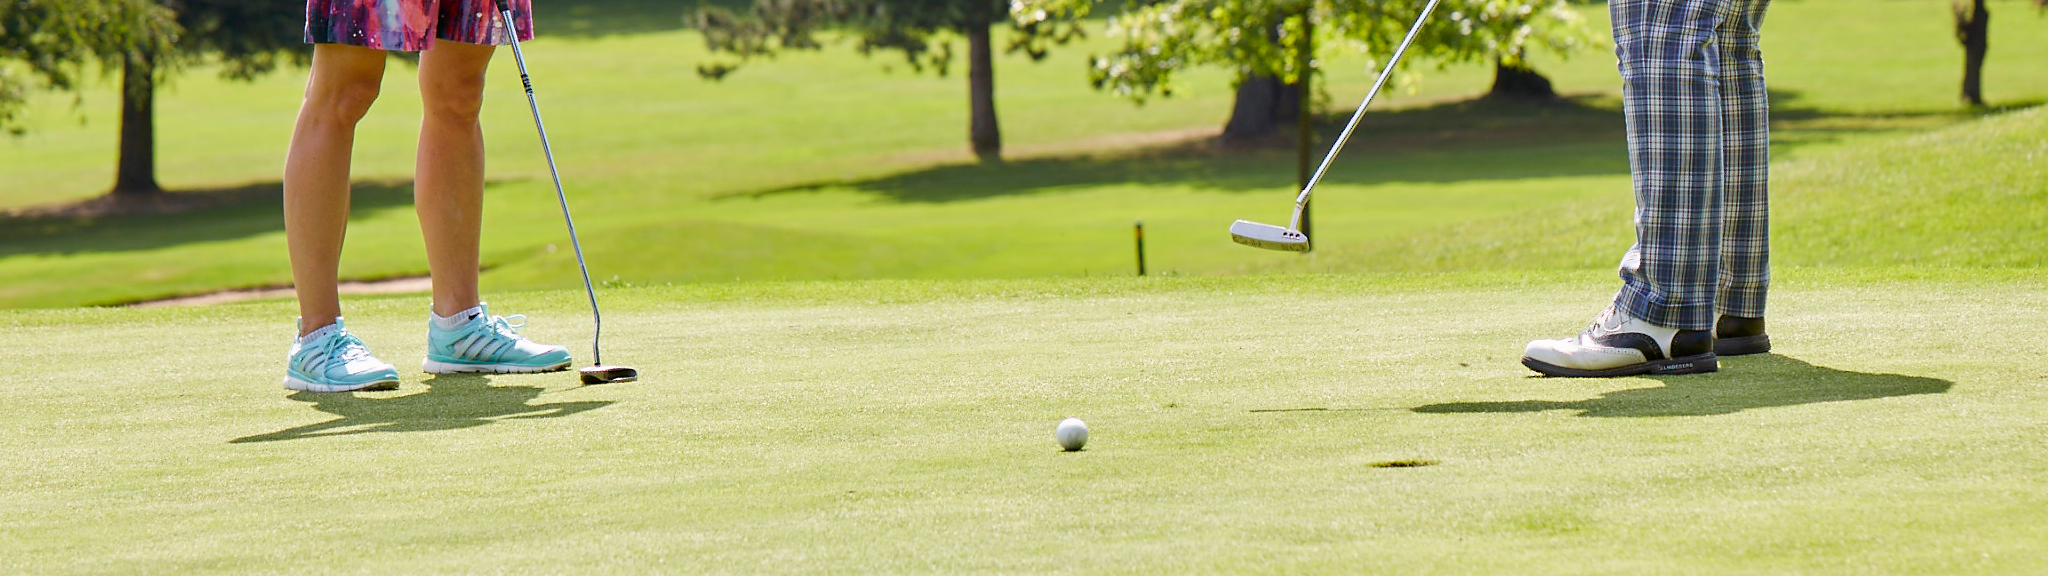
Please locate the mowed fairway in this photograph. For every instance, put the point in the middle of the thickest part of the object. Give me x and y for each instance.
(1239, 425)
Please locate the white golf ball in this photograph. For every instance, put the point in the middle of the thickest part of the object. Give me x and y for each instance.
(1072, 434)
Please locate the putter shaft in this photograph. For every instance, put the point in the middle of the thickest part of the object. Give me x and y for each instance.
(1301, 201)
(519, 58)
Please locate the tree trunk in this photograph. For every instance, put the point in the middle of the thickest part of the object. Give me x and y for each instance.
(135, 175)
(983, 132)
(1263, 105)
(1252, 115)
(1519, 81)
(1973, 30)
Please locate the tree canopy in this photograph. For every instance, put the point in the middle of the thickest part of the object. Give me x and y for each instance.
(922, 30)
(55, 40)
(250, 37)
(1265, 37)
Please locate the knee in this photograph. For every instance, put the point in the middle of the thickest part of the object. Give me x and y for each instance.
(345, 99)
(456, 98)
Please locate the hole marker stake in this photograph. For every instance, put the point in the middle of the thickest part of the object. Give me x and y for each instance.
(1138, 231)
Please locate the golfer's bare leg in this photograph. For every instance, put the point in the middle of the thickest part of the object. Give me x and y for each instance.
(342, 87)
(448, 186)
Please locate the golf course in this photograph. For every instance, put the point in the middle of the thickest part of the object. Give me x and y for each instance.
(854, 340)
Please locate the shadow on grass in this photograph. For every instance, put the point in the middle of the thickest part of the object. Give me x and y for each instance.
(452, 401)
(1767, 381)
(598, 18)
(1795, 126)
(175, 218)
(1462, 141)
(1451, 142)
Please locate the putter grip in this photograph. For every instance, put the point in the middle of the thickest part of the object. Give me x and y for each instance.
(503, 7)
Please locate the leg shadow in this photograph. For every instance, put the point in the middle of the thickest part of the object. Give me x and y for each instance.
(1764, 381)
(451, 401)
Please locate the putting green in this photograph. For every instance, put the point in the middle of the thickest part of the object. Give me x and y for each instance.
(1238, 425)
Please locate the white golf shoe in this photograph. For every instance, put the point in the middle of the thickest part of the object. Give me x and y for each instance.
(1618, 344)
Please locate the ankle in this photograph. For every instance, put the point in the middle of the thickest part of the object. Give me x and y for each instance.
(456, 319)
(308, 328)
(1738, 327)
(1692, 343)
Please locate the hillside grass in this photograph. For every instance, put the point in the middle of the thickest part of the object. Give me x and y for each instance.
(824, 165)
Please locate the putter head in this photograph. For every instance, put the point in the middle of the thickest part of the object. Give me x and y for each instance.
(1268, 236)
(608, 374)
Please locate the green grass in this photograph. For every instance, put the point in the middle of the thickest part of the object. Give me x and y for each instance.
(1970, 196)
(823, 165)
(890, 409)
(1240, 424)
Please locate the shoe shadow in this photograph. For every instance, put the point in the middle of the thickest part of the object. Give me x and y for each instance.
(1764, 381)
(452, 401)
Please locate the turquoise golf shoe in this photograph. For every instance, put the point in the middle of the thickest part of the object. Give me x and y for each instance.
(480, 342)
(333, 360)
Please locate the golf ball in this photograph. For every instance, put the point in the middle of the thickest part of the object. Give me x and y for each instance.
(1072, 434)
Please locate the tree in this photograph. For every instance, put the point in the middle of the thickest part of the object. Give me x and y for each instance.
(56, 39)
(1272, 44)
(1263, 37)
(1973, 31)
(921, 30)
(250, 38)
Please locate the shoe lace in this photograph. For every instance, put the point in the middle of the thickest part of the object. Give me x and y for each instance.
(508, 326)
(1608, 322)
(347, 348)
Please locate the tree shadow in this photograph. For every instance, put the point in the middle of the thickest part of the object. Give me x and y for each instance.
(106, 224)
(1476, 139)
(452, 401)
(600, 18)
(1766, 381)
(1459, 141)
(1796, 124)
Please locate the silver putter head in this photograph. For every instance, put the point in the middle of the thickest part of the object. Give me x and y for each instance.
(1268, 236)
(608, 374)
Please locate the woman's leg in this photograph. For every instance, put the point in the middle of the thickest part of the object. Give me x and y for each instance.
(448, 193)
(343, 85)
(448, 185)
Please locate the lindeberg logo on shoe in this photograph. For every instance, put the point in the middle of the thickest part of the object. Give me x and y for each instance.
(1675, 368)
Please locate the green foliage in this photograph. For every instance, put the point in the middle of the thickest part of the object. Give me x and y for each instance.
(56, 39)
(922, 30)
(1262, 37)
(250, 37)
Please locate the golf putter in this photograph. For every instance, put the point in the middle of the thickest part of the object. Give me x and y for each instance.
(598, 372)
(1291, 238)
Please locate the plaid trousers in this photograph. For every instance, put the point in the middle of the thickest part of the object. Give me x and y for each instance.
(1699, 152)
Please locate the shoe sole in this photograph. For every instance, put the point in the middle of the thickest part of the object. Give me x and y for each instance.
(1696, 364)
(1742, 346)
(432, 366)
(308, 386)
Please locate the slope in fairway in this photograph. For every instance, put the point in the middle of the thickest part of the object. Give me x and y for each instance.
(1239, 424)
